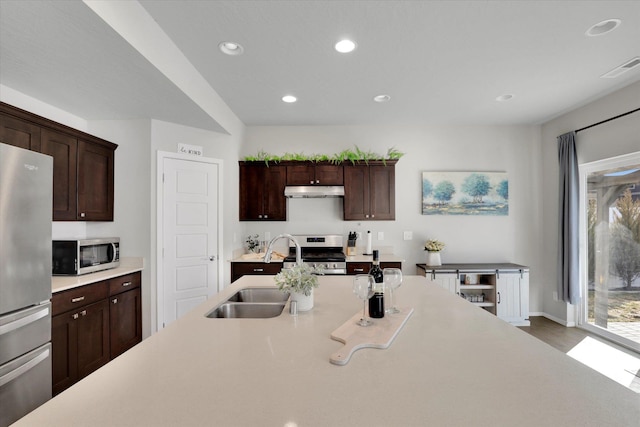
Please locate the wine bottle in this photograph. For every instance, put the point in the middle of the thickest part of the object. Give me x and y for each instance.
(376, 302)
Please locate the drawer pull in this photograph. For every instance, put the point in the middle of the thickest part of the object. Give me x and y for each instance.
(74, 315)
(125, 284)
(358, 269)
(83, 312)
(77, 299)
(258, 270)
(115, 300)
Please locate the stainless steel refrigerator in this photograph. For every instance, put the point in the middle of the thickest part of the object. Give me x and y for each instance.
(25, 281)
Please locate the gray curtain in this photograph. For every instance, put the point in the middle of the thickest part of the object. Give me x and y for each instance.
(568, 250)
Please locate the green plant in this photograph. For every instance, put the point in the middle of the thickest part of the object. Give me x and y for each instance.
(349, 155)
(300, 278)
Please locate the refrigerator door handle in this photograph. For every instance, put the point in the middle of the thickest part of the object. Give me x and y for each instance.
(24, 368)
(33, 317)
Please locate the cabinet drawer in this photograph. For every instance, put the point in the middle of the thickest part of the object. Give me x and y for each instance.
(77, 297)
(384, 265)
(358, 267)
(124, 283)
(239, 269)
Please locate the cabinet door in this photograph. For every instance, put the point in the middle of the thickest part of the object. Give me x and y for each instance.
(64, 351)
(448, 281)
(382, 186)
(93, 337)
(275, 204)
(303, 174)
(19, 133)
(95, 182)
(329, 175)
(125, 321)
(251, 189)
(356, 192)
(63, 148)
(508, 297)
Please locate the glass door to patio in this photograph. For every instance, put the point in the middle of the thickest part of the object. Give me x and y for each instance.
(611, 300)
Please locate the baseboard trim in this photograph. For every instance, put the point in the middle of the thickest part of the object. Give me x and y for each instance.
(555, 319)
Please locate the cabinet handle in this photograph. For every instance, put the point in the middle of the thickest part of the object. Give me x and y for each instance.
(77, 299)
(83, 312)
(258, 270)
(373, 216)
(259, 216)
(266, 216)
(127, 284)
(311, 182)
(82, 214)
(115, 300)
(74, 316)
(358, 269)
(366, 216)
(317, 181)
(498, 297)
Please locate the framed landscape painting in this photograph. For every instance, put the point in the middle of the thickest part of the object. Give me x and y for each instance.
(465, 193)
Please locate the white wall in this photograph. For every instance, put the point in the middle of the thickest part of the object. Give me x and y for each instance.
(516, 150)
(618, 137)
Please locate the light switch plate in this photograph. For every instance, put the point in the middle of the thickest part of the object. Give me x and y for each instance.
(380, 235)
(408, 235)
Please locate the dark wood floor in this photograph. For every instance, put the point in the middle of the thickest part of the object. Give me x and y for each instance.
(555, 334)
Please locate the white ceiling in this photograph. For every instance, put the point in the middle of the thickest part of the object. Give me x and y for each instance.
(442, 62)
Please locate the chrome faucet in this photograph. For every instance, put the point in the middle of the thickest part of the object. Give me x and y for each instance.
(267, 255)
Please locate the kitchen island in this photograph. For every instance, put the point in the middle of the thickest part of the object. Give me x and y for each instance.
(452, 364)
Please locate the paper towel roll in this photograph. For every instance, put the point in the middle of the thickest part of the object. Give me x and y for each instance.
(368, 251)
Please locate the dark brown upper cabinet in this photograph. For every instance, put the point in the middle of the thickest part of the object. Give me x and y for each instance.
(262, 192)
(370, 191)
(309, 173)
(83, 165)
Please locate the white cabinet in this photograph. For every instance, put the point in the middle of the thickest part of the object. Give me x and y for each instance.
(501, 289)
(513, 297)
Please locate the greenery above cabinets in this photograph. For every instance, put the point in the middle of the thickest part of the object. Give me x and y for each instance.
(349, 155)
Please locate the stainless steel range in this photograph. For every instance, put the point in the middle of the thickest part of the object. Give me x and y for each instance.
(324, 250)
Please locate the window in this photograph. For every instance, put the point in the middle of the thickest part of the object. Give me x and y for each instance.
(610, 248)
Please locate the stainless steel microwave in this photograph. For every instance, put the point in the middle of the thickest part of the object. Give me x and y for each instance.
(76, 257)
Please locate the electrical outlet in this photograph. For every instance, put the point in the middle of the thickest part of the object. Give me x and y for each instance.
(408, 235)
(380, 235)
(555, 296)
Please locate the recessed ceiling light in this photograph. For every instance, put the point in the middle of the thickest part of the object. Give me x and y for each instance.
(289, 99)
(231, 48)
(345, 46)
(505, 97)
(382, 98)
(603, 27)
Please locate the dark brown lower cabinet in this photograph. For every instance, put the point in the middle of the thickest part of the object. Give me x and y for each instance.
(125, 325)
(79, 343)
(93, 324)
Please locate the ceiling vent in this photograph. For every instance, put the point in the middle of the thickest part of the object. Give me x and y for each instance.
(632, 63)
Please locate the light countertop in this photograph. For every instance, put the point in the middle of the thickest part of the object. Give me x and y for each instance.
(452, 364)
(127, 266)
(350, 258)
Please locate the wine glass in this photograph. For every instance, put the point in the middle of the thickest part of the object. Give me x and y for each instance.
(392, 280)
(363, 288)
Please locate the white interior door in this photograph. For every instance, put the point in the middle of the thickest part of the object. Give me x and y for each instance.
(190, 238)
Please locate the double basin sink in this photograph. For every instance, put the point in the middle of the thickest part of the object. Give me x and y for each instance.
(251, 303)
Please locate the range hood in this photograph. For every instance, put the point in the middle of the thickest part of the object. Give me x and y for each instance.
(314, 191)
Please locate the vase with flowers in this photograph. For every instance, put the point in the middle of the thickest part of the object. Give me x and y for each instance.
(433, 248)
(299, 281)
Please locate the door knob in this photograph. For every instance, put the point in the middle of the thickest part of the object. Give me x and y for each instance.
(212, 258)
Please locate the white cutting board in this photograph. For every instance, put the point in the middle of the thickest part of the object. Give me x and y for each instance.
(378, 335)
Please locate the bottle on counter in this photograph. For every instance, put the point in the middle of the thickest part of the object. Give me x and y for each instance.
(376, 302)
